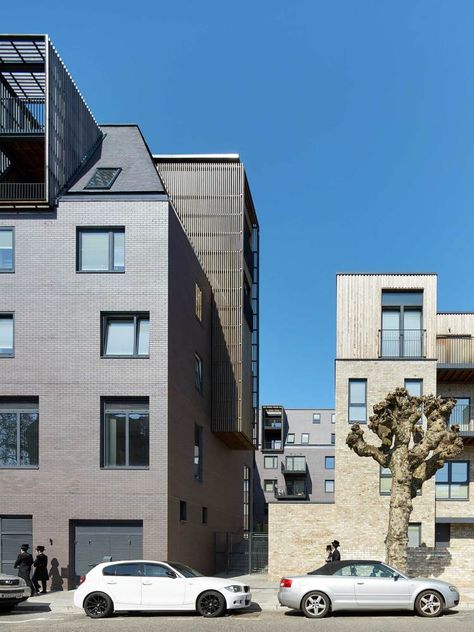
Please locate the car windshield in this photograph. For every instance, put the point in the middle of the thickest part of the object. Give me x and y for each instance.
(186, 571)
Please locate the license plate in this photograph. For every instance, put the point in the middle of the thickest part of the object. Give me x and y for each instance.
(11, 595)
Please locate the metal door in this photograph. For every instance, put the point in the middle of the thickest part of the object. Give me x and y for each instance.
(14, 531)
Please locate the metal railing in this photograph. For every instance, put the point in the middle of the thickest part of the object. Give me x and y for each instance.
(272, 424)
(22, 116)
(455, 350)
(273, 445)
(402, 343)
(463, 417)
(21, 191)
(294, 465)
(291, 494)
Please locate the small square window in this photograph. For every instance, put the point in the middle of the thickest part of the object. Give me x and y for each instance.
(270, 462)
(290, 438)
(101, 249)
(316, 418)
(269, 484)
(125, 335)
(103, 178)
(7, 260)
(304, 437)
(329, 486)
(329, 462)
(183, 510)
(198, 378)
(6, 335)
(204, 515)
(198, 303)
(333, 438)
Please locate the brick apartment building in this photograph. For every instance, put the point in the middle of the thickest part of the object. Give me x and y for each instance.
(128, 368)
(295, 461)
(389, 334)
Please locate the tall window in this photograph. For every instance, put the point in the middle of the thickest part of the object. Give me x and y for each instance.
(101, 249)
(125, 335)
(357, 401)
(197, 452)
(198, 378)
(246, 498)
(452, 481)
(385, 481)
(461, 413)
(333, 438)
(333, 418)
(198, 303)
(402, 334)
(126, 434)
(304, 437)
(19, 434)
(7, 262)
(316, 418)
(183, 510)
(6, 335)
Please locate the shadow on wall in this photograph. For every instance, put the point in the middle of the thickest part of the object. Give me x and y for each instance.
(427, 561)
(55, 576)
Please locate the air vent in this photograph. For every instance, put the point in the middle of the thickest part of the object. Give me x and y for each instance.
(103, 178)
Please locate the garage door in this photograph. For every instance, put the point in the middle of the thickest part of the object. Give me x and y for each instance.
(95, 540)
(13, 533)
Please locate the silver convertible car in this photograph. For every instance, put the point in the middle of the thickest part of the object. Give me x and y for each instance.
(364, 585)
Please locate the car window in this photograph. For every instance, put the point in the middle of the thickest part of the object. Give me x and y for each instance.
(124, 570)
(345, 571)
(156, 570)
(186, 571)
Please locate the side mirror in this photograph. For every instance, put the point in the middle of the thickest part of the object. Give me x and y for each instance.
(396, 577)
(171, 574)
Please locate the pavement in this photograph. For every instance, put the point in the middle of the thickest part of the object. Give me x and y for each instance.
(264, 594)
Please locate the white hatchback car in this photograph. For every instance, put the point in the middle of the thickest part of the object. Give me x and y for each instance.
(148, 585)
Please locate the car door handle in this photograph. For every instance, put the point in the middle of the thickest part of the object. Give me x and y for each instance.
(360, 583)
(111, 582)
(147, 583)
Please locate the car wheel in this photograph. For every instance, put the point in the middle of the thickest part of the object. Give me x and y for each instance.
(98, 605)
(211, 604)
(315, 605)
(429, 603)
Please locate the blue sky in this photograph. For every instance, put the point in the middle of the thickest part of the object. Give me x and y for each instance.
(355, 120)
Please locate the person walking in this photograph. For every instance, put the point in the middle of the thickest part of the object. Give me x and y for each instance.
(328, 553)
(336, 554)
(40, 573)
(23, 563)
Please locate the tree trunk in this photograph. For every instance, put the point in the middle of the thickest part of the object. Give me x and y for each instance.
(400, 510)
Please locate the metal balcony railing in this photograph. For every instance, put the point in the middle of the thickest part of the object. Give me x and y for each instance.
(22, 191)
(463, 417)
(455, 351)
(294, 465)
(274, 445)
(296, 493)
(272, 424)
(22, 116)
(402, 343)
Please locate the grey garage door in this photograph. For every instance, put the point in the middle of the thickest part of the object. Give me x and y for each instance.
(95, 540)
(13, 533)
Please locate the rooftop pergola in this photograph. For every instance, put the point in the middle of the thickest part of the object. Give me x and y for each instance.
(23, 65)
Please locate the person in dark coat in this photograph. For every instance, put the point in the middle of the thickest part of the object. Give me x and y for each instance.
(336, 555)
(40, 574)
(23, 563)
(328, 553)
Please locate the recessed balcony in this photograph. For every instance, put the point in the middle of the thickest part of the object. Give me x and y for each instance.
(297, 492)
(462, 415)
(455, 358)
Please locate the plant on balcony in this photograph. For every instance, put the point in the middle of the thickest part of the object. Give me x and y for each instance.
(412, 453)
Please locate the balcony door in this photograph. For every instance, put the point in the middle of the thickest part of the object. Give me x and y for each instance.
(402, 325)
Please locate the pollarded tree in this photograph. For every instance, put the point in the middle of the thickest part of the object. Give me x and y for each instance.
(411, 453)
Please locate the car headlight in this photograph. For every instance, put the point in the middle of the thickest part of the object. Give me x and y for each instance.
(234, 588)
(22, 582)
(453, 589)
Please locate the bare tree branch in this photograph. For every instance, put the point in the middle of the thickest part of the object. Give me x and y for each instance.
(355, 440)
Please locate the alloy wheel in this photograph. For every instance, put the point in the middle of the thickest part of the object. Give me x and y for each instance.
(96, 605)
(315, 604)
(430, 604)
